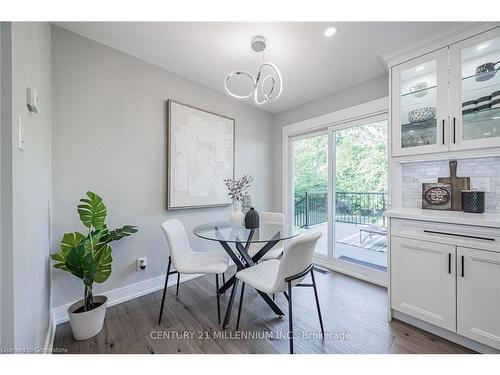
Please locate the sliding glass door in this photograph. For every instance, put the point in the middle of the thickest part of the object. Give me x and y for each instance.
(338, 185)
(310, 186)
(360, 186)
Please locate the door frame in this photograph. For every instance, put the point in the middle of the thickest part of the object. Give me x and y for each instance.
(362, 114)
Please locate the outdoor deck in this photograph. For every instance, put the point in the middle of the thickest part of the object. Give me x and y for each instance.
(354, 212)
(371, 253)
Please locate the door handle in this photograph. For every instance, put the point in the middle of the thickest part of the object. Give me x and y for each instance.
(449, 262)
(463, 261)
(454, 130)
(443, 131)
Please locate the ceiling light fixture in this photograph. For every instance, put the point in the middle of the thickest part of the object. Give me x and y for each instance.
(331, 31)
(482, 46)
(263, 88)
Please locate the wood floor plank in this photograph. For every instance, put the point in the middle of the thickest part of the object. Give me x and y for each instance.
(354, 315)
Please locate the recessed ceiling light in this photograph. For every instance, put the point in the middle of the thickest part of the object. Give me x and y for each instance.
(420, 67)
(482, 46)
(331, 31)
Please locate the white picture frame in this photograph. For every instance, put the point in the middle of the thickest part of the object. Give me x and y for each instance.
(200, 155)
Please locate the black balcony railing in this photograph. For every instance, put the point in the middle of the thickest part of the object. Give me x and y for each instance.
(350, 207)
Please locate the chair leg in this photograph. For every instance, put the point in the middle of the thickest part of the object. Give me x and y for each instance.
(223, 278)
(218, 297)
(239, 307)
(274, 297)
(165, 289)
(286, 295)
(317, 301)
(290, 322)
(178, 278)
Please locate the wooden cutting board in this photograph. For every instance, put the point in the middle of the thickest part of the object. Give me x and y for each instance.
(457, 185)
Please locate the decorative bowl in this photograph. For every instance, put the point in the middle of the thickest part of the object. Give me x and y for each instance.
(419, 89)
(422, 114)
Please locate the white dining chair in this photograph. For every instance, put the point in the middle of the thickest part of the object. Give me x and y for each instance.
(276, 250)
(186, 260)
(277, 276)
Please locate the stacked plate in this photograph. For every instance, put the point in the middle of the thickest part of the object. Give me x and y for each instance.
(483, 103)
(495, 99)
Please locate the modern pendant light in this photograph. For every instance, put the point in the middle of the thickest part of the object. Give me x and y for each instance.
(263, 87)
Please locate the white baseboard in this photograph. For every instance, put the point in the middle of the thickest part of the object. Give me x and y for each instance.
(123, 294)
(48, 343)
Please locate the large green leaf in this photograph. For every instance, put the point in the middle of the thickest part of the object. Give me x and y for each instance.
(70, 240)
(119, 233)
(81, 263)
(92, 211)
(103, 261)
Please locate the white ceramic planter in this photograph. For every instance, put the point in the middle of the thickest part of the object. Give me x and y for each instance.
(87, 324)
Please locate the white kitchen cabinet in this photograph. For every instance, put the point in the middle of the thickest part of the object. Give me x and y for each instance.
(445, 270)
(478, 295)
(443, 80)
(480, 128)
(423, 280)
(420, 85)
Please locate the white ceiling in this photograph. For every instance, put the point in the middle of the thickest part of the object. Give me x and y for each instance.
(311, 64)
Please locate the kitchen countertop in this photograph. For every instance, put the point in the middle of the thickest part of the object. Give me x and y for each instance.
(486, 219)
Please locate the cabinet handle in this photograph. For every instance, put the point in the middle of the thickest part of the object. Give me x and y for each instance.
(462, 266)
(454, 130)
(459, 235)
(443, 131)
(449, 262)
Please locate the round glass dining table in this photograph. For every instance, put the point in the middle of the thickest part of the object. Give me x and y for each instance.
(268, 234)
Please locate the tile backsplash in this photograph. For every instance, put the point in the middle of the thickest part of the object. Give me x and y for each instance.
(414, 174)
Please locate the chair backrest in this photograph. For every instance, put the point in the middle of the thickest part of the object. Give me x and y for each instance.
(177, 240)
(296, 258)
(272, 217)
(267, 217)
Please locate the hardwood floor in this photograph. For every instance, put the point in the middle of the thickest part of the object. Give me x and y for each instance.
(354, 315)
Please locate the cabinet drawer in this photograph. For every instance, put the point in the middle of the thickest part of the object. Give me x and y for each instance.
(453, 234)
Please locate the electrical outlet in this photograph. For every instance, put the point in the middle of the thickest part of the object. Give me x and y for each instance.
(480, 183)
(142, 263)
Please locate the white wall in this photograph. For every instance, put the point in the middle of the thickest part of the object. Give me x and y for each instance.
(109, 137)
(372, 89)
(364, 92)
(3, 67)
(26, 175)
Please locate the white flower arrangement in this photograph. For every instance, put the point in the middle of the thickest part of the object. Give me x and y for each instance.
(237, 188)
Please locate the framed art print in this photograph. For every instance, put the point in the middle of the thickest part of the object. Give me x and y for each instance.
(436, 196)
(200, 155)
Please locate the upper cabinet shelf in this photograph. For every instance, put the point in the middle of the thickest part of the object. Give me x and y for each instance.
(429, 94)
(419, 93)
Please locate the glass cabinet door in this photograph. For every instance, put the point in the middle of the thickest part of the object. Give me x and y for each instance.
(419, 110)
(475, 92)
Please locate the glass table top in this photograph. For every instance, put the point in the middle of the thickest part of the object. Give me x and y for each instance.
(222, 231)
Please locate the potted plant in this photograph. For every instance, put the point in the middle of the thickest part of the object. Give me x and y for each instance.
(236, 190)
(88, 257)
